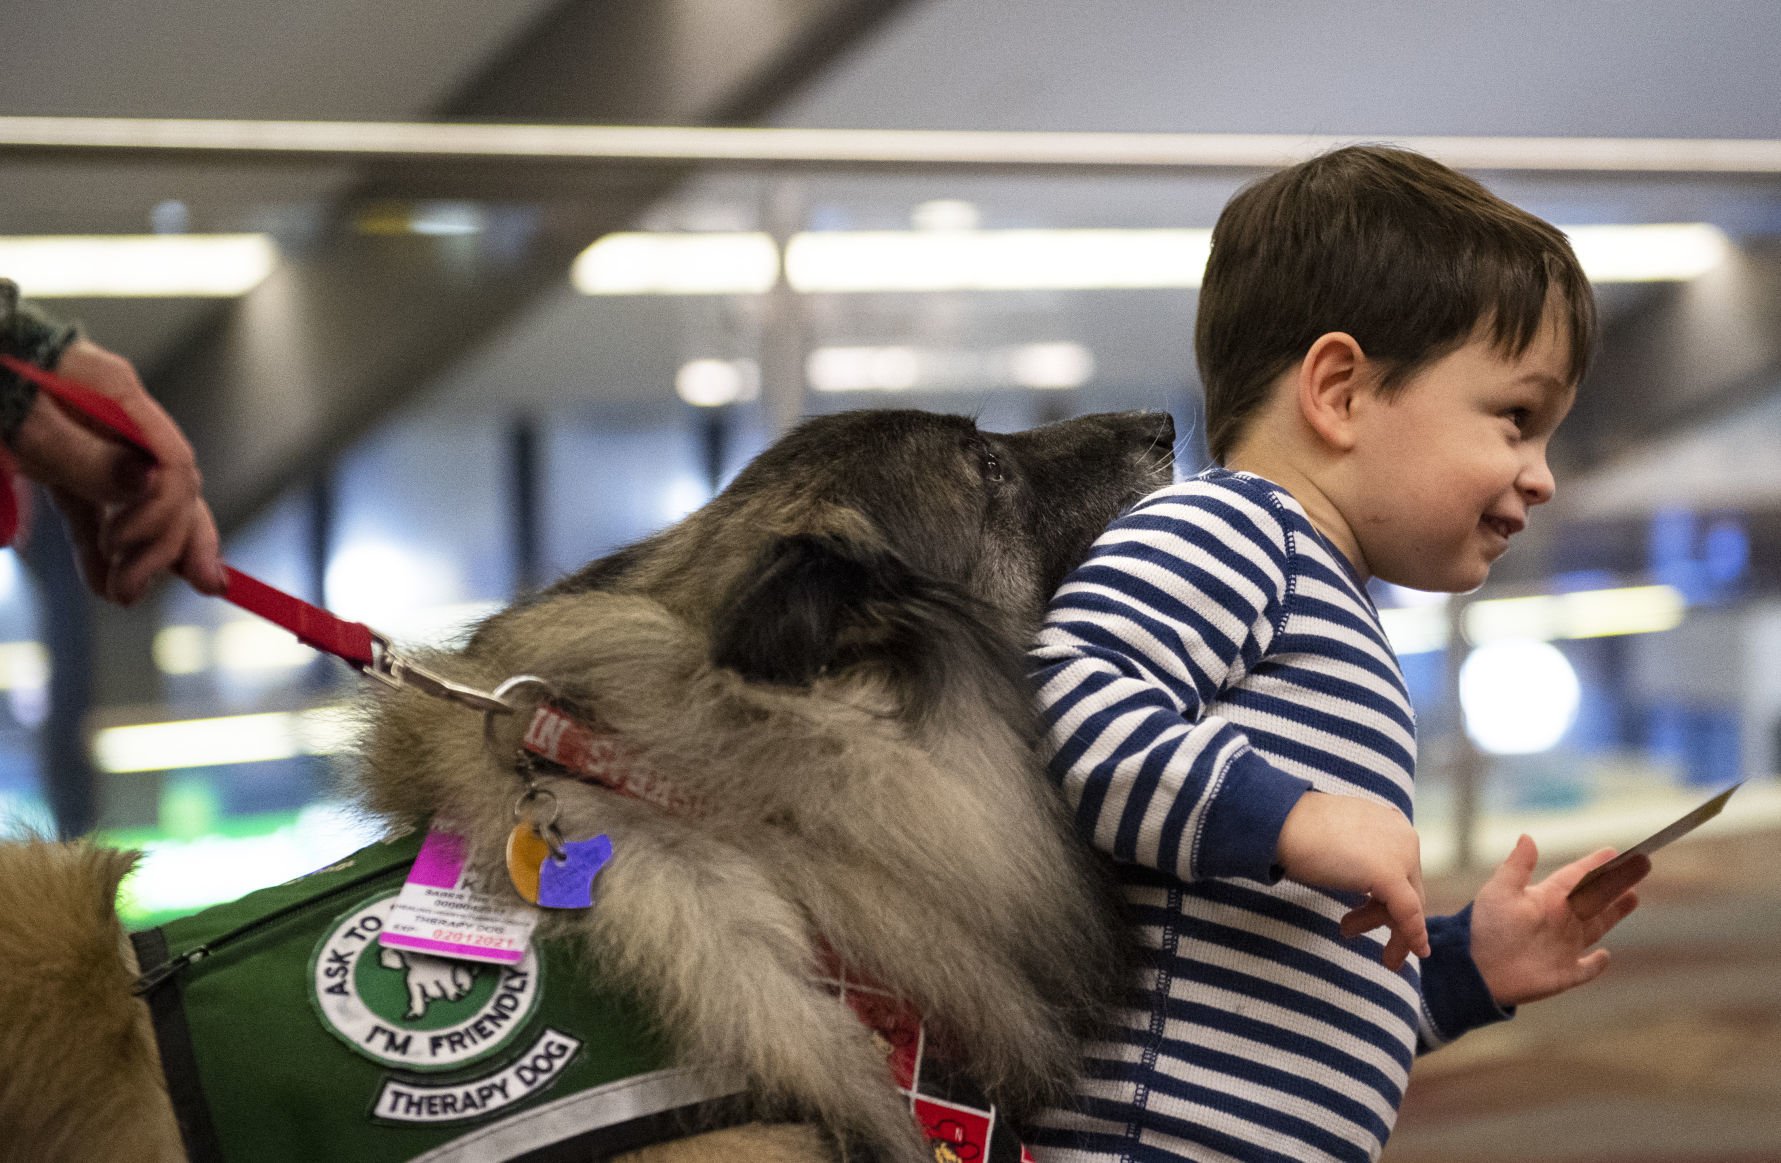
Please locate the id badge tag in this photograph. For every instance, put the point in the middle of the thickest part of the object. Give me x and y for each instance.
(443, 911)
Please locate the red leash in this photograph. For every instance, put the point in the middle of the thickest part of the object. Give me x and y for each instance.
(354, 642)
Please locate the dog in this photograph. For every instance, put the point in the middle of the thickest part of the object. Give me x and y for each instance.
(824, 664)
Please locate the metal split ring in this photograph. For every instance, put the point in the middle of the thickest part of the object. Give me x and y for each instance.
(502, 694)
(546, 830)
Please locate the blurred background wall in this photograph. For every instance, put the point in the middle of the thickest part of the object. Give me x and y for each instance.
(420, 383)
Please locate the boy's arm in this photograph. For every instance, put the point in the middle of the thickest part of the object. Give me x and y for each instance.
(1455, 997)
(1176, 598)
(1521, 940)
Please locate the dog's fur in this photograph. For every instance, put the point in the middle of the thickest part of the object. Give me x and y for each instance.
(827, 657)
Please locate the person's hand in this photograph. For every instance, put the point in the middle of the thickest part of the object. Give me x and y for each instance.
(129, 518)
(1353, 844)
(1529, 942)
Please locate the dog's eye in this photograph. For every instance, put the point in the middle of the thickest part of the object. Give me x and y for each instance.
(988, 463)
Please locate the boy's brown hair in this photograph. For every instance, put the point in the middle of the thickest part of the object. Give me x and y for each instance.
(1406, 255)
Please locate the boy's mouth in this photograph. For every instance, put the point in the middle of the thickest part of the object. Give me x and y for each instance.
(1504, 527)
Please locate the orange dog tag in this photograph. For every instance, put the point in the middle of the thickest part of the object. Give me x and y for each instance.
(526, 853)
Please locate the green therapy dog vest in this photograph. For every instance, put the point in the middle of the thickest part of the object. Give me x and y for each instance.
(299, 1037)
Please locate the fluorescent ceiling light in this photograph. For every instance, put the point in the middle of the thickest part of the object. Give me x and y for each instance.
(1541, 618)
(104, 266)
(996, 260)
(229, 739)
(946, 214)
(1050, 365)
(23, 666)
(1585, 614)
(432, 218)
(1030, 260)
(245, 645)
(677, 264)
(182, 650)
(712, 383)
(900, 368)
(1657, 252)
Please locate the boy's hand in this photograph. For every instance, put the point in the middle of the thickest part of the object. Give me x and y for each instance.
(1529, 942)
(1357, 845)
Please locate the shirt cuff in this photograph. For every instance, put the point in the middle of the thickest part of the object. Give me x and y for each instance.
(1241, 835)
(1453, 991)
(37, 339)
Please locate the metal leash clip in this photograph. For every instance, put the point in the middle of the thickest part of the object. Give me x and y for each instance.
(395, 671)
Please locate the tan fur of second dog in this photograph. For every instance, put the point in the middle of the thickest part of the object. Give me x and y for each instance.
(80, 1078)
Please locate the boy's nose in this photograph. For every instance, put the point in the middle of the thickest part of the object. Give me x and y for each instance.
(1536, 482)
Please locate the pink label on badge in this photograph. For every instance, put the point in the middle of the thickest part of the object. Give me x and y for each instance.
(441, 860)
(455, 948)
(443, 910)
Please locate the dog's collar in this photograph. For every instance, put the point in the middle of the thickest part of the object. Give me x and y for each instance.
(563, 739)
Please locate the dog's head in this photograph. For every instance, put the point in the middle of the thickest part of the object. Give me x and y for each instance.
(888, 528)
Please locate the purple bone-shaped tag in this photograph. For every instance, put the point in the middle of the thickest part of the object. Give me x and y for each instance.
(569, 884)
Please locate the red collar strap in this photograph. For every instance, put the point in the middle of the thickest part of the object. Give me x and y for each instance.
(566, 740)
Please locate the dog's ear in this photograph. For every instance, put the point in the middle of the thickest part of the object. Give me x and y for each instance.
(788, 622)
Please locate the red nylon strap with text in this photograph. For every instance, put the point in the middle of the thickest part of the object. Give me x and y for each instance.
(591, 756)
(314, 626)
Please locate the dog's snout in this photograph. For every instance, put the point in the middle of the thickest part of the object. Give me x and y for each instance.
(1143, 432)
(1149, 436)
(1161, 430)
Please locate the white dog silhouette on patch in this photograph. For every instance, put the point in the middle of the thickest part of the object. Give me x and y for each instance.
(429, 978)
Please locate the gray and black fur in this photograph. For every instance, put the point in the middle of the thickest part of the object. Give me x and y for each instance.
(829, 657)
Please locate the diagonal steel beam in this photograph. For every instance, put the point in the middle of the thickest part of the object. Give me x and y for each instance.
(280, 381)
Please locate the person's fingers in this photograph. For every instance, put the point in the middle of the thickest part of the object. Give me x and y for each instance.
(1567, 878)
(1396, 952)
(1604, 891)
(166, 506)
(1517, 869)
(132, 571)
(1591, 967)
(140, 539)
(63, 454)
(113, 376)
(1364, 919)
(202, 564)
(1599, 925)
(1404, 904)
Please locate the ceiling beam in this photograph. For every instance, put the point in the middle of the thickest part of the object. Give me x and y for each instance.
(280, 382)
(539, 143)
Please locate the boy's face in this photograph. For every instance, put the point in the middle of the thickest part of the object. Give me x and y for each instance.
(1449, 470)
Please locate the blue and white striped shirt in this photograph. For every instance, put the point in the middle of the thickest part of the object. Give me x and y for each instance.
(1211, 660)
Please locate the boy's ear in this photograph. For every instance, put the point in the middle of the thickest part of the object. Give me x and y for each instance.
(1331, 379)
(790, 620)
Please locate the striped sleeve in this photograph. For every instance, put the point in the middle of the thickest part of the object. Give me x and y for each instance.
(1178, 599)
(1455, 998)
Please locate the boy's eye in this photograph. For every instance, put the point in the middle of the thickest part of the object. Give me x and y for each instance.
(1519, 416)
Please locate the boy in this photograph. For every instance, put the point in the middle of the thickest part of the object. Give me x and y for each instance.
(1387, 349)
